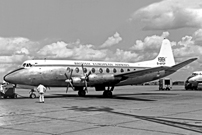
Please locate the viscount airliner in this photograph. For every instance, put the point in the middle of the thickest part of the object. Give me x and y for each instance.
(103, 76)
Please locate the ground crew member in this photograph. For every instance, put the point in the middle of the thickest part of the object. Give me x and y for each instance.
(1, 91)
(2, 87)
(41, 89)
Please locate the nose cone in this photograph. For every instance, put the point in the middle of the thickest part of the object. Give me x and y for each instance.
(12, 77)
(195, 78)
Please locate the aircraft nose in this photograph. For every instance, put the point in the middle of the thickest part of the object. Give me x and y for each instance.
(12, 77)
(193, 79)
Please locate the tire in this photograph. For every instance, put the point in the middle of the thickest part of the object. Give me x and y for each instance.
(32, 96)
(107, 94)
(82, 93)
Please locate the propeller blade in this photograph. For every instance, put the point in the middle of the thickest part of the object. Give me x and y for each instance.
(69, 80)
(71, 85)
(85, 78)
(88, 74)
(83, 69)
(86, 86)
(67, 87)
(71, 73)
(66, 76)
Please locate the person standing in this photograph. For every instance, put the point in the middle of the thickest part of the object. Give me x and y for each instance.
(2, 87)
(1, 90)
(41, 89)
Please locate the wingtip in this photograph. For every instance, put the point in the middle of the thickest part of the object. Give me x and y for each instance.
(193, 59)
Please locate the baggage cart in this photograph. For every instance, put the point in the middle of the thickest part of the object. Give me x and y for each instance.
(8, 91)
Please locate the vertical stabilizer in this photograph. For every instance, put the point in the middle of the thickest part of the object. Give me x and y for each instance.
(164, 58)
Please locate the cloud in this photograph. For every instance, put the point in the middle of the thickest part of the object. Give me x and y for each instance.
(189, 47)
(123, 56)
(112, 41)
(170, 14)
(149, 46)
(74, 50)
(16, 45)
(23, 51)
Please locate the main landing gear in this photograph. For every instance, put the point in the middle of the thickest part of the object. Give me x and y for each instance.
(108, 93)
(81, 91)
(32, 94)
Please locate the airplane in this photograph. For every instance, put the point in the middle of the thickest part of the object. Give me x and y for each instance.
(194, 81)
(104, 76)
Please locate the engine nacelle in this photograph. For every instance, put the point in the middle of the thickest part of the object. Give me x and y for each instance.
(76, 81)
(102, 79)
(96, 79)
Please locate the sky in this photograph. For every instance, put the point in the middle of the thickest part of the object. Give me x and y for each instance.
(101, 30)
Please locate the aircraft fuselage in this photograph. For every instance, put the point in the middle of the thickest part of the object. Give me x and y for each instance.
(54, 76)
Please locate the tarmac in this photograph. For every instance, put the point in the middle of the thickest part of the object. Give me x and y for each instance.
(133, 110)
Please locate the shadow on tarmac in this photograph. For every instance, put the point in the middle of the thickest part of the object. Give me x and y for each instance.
(115, 96)
(118, 96)
(161, 120)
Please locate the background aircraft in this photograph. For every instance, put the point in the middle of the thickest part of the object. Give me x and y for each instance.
(193, 81)
(79, 75)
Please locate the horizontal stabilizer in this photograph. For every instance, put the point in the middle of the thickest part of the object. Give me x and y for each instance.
(182, 64)
(154, 69)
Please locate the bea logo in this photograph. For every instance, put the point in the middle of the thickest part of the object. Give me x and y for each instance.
(161, 61)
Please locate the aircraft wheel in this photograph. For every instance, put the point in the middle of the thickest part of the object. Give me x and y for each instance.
(82, 93)
(107, 93)
(32, 95)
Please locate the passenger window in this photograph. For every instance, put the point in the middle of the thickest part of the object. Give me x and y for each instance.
(114, 70)
(101, 70)
(128, 69)
(93, 70)
(84, 70)
(134, 69)
(122, 70)
(77, 70)
(107, 70)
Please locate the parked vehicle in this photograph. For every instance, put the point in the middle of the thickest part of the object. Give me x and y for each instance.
(165, 84)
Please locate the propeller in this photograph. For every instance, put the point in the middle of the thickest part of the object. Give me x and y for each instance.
(69, 80)
(85, 77)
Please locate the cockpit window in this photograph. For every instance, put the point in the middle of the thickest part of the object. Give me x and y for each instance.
(27, 65)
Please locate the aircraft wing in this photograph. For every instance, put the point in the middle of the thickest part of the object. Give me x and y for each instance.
(155, 69)
(182, 64)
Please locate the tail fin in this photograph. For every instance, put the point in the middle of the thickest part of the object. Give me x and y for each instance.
(164, 58)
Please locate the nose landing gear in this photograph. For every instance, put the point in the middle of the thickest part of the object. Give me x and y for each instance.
(32, 94)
